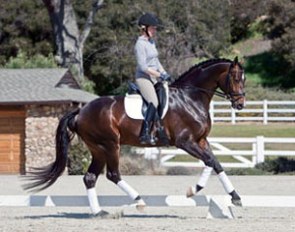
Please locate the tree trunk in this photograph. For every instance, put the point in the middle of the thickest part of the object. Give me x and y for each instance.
(68, 39)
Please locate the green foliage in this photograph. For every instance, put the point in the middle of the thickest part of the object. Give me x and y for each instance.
(88, 86)
(272, 70)
(22, 60)
(201, 29)
(278, 165)
(281, 27)
(178, 170)
(190, 29)
(79, 159)
(25, 26)
(130, 165)
(247, 171)
(245, 20)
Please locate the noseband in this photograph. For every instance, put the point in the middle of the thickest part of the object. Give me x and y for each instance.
(228, 94)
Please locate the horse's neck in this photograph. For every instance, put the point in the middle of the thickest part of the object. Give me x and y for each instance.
(204, 84)
(208, 78)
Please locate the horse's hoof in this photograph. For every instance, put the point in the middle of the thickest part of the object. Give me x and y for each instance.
(236, 202)
(140, 206)
(102, 214)
(106, 215)
(236, 199)
(190, 192)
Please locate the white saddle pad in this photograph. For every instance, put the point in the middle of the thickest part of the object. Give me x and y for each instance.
(133, 104)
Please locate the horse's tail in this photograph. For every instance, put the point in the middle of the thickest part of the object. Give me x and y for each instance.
(44, 177)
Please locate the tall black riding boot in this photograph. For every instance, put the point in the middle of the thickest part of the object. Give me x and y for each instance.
(145, 133)
(160, 130)
(161, 134)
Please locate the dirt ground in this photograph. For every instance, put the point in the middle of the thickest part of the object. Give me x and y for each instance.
(171, 219)
(154, 219)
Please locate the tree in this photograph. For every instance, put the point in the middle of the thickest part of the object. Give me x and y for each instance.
(244, 13)
(281, 27)
(22, 60)
(21, 32)
(68, 39)
(193, 28)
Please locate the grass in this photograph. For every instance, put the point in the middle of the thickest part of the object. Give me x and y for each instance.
(247, 130)
(253, 130)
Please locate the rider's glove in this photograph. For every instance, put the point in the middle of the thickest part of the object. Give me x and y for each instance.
(165, 77)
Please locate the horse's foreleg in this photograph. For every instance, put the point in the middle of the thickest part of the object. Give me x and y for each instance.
(203, 151)
(227, 185)
(206, 173)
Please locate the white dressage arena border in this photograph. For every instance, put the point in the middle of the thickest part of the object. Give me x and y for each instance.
(219, 206)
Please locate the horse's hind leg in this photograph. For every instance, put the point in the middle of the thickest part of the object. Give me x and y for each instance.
(113, 174)
(90, 178)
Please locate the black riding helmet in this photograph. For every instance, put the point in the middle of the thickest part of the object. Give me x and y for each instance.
(149, 19)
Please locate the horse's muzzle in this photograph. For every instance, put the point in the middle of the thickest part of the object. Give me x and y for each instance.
(238, 103)
(240, 106)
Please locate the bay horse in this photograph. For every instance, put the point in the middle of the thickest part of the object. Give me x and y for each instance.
(103, 125)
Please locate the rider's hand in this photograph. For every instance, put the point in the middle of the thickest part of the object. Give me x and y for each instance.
(165, 77)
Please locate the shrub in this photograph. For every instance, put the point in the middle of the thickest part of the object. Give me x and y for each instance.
(247, 171)
(178, 170)
(270, 166)
(79, 159)
(278, 165)
(22, 60)
(130, 165)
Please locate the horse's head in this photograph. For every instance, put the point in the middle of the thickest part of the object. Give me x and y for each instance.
(233, 85)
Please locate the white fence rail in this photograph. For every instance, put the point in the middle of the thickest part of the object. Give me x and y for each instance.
(259, 111)
(255, 150)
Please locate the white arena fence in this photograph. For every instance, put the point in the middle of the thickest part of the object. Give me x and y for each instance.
(255, 111)
(253, 151)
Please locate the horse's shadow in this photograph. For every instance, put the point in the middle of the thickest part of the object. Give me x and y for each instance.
(61, 215)
(89, 216)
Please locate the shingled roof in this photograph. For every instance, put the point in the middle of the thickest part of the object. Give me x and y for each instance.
(32, 86)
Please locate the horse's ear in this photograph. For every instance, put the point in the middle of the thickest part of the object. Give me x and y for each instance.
(236, 60)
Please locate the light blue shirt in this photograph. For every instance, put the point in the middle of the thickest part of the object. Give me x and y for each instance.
(146, 55)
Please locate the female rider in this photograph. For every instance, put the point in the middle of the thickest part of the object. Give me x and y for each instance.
(149, 71)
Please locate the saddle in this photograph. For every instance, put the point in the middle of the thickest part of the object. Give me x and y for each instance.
(136, 106)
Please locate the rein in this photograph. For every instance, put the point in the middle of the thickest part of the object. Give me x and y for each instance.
(215, 92)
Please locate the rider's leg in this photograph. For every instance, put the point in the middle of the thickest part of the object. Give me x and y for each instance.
(149, 94)
(145, 133)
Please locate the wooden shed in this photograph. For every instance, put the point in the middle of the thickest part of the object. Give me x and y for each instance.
(31, 103)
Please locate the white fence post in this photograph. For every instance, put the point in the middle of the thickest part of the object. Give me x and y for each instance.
(265, 114)
(259, 149)
(233, 116)
(212, 112)
(264, 111)
(258, 152)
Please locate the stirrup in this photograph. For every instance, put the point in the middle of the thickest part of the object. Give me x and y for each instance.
(147, 139)
(162, 135)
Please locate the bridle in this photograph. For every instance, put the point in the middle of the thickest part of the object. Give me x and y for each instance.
(227, 94)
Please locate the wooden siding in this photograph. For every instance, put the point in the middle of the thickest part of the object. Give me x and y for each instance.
(12, 133)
